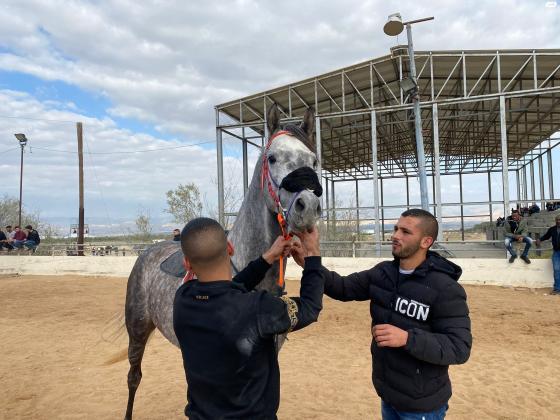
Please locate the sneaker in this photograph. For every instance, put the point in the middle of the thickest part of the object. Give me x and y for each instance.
(526, 259)
(555, 292)
(512, 258)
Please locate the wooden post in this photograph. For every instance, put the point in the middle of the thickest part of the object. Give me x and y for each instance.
(81, 182)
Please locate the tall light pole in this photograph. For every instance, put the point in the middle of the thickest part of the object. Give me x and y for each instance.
(394, 27)
(22, 142)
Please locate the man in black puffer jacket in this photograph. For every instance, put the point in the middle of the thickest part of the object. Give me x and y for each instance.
(420, 320)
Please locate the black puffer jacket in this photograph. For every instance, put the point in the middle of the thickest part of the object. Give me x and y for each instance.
(432, 307)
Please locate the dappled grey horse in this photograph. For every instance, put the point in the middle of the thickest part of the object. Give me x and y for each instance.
(284, 163)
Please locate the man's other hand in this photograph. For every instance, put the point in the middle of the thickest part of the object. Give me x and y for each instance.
(387, 335)
(310, 242)
(280, 247)
(298, 253)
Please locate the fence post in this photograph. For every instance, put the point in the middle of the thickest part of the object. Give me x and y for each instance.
(353, 249)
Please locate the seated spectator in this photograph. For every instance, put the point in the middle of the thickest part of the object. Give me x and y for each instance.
(19, 238)
(549, 206)
(33, 240)
(534, 209)
(500, 221)
(4, 241)
(176, 235)
(516, 230)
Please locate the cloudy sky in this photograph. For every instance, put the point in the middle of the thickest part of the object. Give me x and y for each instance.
(146, 75)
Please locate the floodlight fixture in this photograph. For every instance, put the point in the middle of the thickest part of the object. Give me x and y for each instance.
(21, 138)
(394, 25)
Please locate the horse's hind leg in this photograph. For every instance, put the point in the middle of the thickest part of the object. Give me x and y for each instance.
(136, 346)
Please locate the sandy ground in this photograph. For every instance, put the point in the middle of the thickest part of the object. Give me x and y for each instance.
(58, 333)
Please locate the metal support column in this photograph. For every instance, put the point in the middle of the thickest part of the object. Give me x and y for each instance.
(219, 152)
(490, 195)
(422, 177)
(357, 210)
(518, 180)
(407, 193)
(533, 192)
(327, 204)
(524, 186)
(333, 208)
(541, 182)
(437, 174)
(550, 174)
(462, 209)
(382, 209)
(245, 164)
(503, 133)
(375, 183)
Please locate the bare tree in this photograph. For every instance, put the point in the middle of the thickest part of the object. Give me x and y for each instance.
(184, 203)
(143, 223)
(233, 196)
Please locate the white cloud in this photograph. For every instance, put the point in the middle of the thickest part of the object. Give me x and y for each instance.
(168, 63)
(115, 183)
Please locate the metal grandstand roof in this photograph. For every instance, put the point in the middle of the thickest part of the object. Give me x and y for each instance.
(463, 86)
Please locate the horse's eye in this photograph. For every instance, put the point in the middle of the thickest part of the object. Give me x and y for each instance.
(315, 164)
(271, 159)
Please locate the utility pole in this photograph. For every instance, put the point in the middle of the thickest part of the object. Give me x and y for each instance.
(81, 182)
(394, 27)
(22, 142)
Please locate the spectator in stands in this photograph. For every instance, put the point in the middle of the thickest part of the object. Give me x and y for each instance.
(33, 240)
(516, 230)
(19, 238)
(4, 241)
(176, 235)
(553, 233)
(500, 221)
(534, 209)
(10, 233)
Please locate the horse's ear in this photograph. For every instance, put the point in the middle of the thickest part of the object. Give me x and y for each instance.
(308, 126)
(273, 119)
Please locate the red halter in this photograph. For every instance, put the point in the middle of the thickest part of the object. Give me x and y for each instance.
(265, 174)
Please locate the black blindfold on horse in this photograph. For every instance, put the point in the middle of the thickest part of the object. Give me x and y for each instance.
(302, 179)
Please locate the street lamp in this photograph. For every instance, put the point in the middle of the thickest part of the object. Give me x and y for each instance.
(394, 27)
(22, 142)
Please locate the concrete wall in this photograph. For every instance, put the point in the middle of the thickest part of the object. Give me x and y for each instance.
(491, 271)
(58, 266)
(482, 271)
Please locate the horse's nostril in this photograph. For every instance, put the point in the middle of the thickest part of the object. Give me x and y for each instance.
(318, 209)
(300, 205)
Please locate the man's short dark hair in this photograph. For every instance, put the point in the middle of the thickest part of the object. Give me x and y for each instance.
(8, 226)
(203, 241)
(428, 222)
(29, 227)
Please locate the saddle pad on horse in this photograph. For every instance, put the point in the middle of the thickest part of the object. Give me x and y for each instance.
(173, 265)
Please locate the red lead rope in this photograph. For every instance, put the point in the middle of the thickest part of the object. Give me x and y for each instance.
(265, 175)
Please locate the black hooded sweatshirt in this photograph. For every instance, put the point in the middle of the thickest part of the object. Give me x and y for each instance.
(226, 335)
(429, 304)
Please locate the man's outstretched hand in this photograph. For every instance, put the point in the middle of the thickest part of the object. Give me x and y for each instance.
(280, 247)
(308, 246)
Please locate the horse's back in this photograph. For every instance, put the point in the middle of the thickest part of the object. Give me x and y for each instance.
(150, 291)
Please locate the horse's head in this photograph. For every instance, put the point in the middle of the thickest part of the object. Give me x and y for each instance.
(288, 173)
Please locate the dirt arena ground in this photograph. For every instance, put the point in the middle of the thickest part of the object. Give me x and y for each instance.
(57, 336)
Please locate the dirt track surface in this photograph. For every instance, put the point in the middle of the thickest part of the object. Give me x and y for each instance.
(58, 334)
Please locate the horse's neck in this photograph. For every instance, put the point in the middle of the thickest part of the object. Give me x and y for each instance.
(255, 227)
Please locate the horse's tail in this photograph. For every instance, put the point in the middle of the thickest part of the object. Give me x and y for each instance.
(114, 328)
(122, 354)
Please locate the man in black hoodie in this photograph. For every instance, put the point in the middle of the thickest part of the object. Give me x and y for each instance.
(227, 333)
(420, 320)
